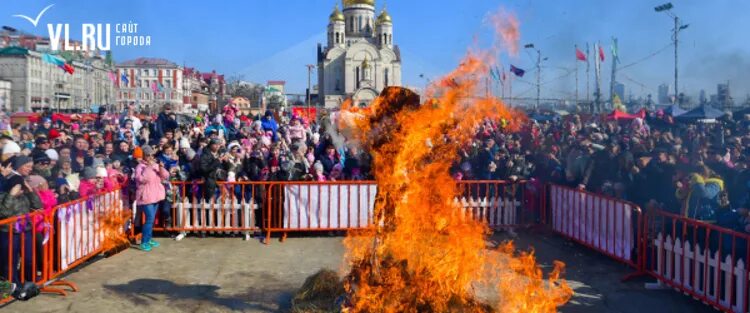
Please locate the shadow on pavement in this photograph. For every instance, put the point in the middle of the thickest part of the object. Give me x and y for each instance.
(143, 291)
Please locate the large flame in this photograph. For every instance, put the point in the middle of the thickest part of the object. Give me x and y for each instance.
(113, 224)
(423, 256)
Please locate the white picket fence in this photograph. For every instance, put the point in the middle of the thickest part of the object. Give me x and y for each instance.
(497, 212)
(205, 215)
(696, 269)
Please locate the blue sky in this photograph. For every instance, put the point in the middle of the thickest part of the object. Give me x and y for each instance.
(269, 40)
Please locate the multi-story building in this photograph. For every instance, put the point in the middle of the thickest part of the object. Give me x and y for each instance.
(5, 87)
(150, 83)
(360, 58)
(38, 85)
(202, 91)
(724, 97)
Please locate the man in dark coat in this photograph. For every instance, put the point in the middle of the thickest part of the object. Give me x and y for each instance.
(209, 166)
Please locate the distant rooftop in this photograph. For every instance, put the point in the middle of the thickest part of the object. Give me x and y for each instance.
(148, 62)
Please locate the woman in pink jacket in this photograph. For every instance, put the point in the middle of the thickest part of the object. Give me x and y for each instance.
(149, 191)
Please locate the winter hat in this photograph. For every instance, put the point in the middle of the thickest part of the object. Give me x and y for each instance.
(137, 153)
(11, 147)
(53, 134)
(233, 145)
(41, 140)
(190, 154)
(75, 127)
(147, 150)
(101, 172)
(35, 180)
(42, 159)
(318, 166)
(184, 143)
(97, 162)
(52, 154)
(89, 172)
(20, 161)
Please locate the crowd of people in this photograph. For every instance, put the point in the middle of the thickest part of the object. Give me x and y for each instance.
(695, 170)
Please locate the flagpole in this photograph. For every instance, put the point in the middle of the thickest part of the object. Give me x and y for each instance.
(597, 73)
(614, 73)
(588, 75)
(502, 84)
(576, 60)
(510, 90)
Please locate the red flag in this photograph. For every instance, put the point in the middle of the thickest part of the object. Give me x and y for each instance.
(580, 55)
(69, 68)
(601, 53)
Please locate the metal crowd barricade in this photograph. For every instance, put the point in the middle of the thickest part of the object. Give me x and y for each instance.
(79, 235)
(608, 225)
(41, 248)
(230, 209)
(700, 259)
(23, 250)
(498, 203)
(319, 206)
(349, 205)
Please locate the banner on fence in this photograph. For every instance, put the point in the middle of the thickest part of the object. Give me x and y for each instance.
(79, 229)
(597, 221)
(329, 206)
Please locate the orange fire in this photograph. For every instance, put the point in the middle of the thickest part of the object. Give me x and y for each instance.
(113, 224)
(424, 256)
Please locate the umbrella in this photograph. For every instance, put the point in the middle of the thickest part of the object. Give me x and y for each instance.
(702, 112)
(740, 114)
(674, 110)
(620, 115)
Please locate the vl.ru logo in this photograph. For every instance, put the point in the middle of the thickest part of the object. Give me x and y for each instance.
(94, 35)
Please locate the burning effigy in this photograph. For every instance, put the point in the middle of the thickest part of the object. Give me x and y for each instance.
(422, 255)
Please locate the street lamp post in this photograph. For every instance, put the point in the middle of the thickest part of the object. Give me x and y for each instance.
(538, 73)
(310, 68)
(666, 8)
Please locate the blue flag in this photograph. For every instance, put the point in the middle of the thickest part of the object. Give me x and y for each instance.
(493, 74)
(519, 72)
(124, 78)
(53, 59)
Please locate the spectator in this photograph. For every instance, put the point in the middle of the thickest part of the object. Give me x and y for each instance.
(17, 198)
(149, 175)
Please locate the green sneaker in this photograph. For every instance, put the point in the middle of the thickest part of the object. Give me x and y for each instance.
(153, 244)
(145, 247)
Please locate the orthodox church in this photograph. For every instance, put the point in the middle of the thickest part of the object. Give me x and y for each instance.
(360, 58)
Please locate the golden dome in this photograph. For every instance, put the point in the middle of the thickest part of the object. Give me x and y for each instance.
(336, 15)
(365, 64)
(384, 17)
(353, 2)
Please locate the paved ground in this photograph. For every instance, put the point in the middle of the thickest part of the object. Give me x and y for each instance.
(231, 275)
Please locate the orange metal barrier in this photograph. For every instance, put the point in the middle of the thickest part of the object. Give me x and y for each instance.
(608, 225)
(319, 206)
(78, 229)
(40, 248)
(703, 260)
(232, 209)
(349, 205)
